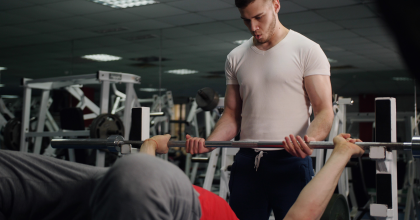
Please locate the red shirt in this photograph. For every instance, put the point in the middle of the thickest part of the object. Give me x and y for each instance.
(213, 207)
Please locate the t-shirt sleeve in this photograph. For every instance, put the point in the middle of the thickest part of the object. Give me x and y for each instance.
(316, 62)
(230, 75)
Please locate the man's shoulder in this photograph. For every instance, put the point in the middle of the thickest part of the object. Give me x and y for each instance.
(300, 41)
(240, 50)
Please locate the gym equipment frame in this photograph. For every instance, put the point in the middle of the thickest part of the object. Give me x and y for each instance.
(72, 85)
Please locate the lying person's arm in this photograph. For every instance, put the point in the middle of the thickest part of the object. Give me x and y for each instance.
(156, 145)
(314, 198)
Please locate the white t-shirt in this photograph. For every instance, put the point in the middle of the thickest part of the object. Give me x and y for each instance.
(274, 100)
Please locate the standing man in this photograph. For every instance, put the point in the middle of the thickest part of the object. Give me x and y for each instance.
(272, 80)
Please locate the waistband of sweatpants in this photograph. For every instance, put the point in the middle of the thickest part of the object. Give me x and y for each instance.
(276, 154)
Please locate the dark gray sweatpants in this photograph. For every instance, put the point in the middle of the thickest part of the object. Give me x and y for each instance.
(137, 187)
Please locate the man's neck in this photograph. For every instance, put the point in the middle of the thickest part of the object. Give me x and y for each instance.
(280, 33)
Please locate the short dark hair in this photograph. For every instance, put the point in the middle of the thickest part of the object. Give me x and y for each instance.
(243, 3)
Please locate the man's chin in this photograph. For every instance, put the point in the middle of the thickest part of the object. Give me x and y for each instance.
(261, 40)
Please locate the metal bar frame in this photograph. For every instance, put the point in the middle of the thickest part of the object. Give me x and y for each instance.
(25, 118)
(41, 119)
(103, 105)
(387, 164)
(129, 91)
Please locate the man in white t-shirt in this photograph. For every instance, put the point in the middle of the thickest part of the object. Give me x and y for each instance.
(272, 81)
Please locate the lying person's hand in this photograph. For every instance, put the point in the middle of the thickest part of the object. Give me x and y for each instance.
(162, 143)
(344, 144)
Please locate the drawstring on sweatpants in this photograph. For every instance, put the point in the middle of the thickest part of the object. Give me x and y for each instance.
(258, 158)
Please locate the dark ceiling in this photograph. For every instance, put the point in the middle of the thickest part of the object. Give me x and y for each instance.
(46, 38)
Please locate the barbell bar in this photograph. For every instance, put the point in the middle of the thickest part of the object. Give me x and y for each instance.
(116, 141)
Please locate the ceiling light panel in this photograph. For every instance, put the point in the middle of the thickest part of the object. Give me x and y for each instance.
(239, 42)
(101, 57)
(125, 3)
(3, 68)
(152, 89)
(9, 96)
(401, 78)
(332, 60)
(181, 71)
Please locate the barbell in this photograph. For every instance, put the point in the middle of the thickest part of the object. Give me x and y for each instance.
(116, 141)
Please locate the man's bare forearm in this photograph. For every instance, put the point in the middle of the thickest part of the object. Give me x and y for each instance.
(226, 128)
(315, 197)
(148, 147)
(321, 125)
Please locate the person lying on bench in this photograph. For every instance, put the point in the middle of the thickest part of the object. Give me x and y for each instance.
(137, 186)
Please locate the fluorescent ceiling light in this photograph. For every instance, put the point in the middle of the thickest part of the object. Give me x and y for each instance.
(125, 3)
(239, 42)
(401, 78)
(1, 85)
(101, 57)
(332, 60)
(3, 68)
(152, 89)
(9, 96)
(181, 71)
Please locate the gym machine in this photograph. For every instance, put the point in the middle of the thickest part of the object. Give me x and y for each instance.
(12, 129)
(72, 85)
(162, 104)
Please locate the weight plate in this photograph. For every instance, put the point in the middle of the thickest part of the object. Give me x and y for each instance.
(12, 134)
(337, 209)
(106, 125)
(207, 99)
